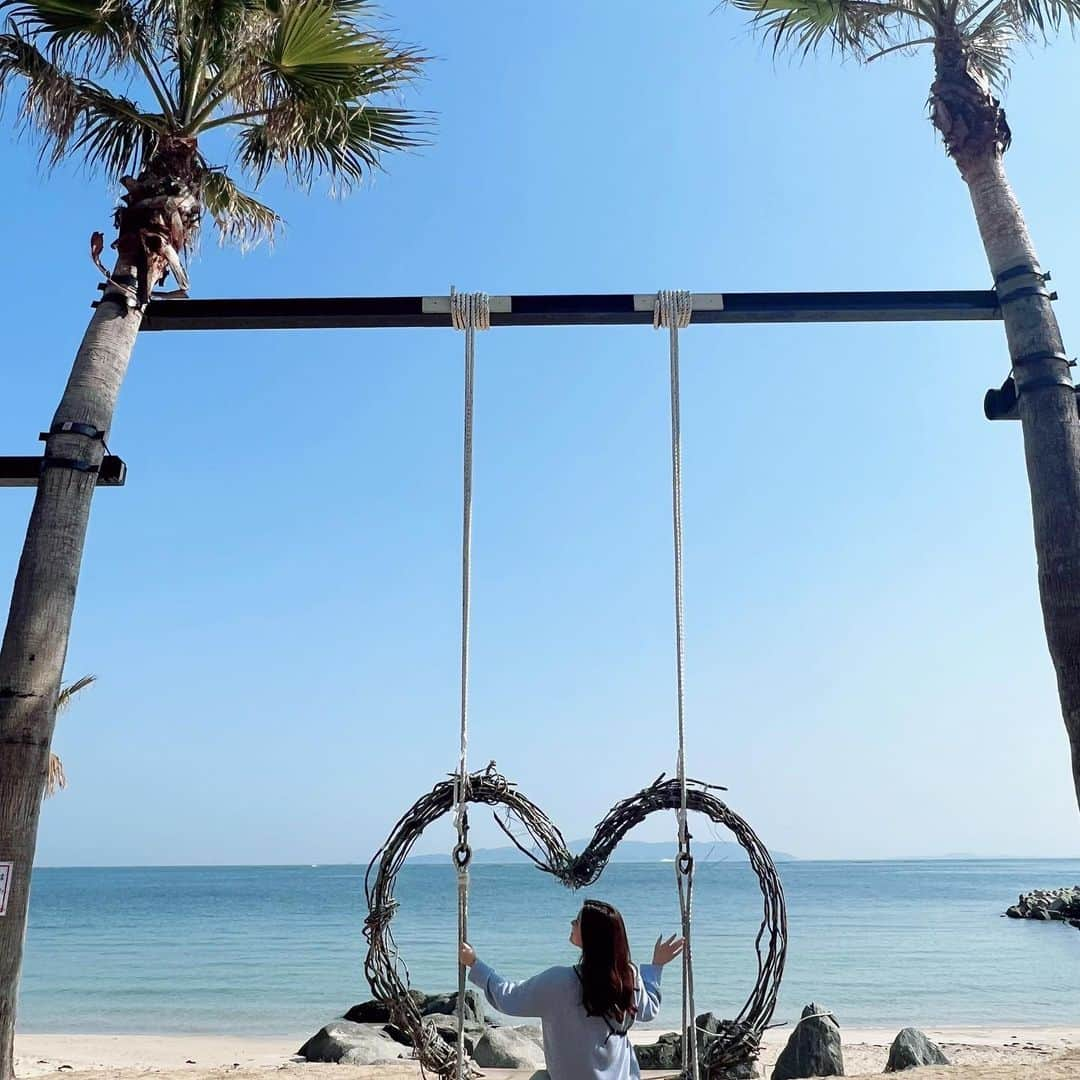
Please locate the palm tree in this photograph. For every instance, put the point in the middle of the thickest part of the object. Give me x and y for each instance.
(56, 780)
(972, 42)
(130, 87)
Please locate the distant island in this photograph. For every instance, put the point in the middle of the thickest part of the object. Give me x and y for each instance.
(629, 851)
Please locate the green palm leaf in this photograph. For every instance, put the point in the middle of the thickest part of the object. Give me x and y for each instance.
(71, 115)
(56, 778)
(113, 135)
(86, 33)
(316, 52)
(806, 25)
(240, 218)
(867, 29)
(343, 142)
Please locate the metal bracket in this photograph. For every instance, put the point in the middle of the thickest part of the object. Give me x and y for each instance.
(440, 305)
(1021, 273)
(1042, 382)
(68, 463)
(709, 301)
(1026, 291)
(118, 279)
(73, 427)
(1003, 403)
(1042, 354)
(1022, 270)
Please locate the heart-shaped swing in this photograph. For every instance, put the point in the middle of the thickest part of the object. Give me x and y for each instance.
(738, 1040)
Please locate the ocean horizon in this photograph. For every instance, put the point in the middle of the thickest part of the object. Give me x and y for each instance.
(279, 950)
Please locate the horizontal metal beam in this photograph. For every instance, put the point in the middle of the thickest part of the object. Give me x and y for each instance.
(25, 471)
(601, 309)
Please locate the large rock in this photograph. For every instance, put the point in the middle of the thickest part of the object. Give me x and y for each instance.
(447, 1004)
(377, 1012)
(813, 1048)
(665, 1053)
(911, 1049)
(341, 1037)
(508, 1048)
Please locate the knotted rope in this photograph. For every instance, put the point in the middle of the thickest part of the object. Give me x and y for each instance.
(673, 310)
(468, 312)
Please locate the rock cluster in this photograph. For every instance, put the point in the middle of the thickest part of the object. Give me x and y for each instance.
(365, 1036)
(1049, 905)
(813, 1049)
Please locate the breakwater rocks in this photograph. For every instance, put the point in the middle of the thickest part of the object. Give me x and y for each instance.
(1049, 905)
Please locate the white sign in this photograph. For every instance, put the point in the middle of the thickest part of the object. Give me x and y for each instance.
(5, 885)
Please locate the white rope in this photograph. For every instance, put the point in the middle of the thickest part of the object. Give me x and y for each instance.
(468, 312)
(673, 310)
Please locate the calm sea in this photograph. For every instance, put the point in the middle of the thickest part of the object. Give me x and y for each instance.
(279, 950)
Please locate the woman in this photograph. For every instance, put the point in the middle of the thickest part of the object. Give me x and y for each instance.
(586, 1010)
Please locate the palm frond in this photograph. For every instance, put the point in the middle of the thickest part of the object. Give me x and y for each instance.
(55, 778)
(343, 142)
(1042, 16)
(989, 45)
(52, 98)
(240, 218)
(848, 26)
(69, 691)
(114, 136)
(88, 35)
(70, 115)
(317, 53)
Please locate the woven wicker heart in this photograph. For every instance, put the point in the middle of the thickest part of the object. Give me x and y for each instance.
(739, 1039)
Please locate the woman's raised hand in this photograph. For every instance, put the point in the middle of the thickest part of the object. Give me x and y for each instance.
(666, 951)
(467, 954)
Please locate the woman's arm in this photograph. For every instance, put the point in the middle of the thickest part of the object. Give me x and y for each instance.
(648, 995)
(532, 997)
(648, 998)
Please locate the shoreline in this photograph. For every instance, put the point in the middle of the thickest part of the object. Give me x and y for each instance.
(983, 1052)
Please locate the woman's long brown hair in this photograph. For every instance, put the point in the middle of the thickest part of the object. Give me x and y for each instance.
(608, 980)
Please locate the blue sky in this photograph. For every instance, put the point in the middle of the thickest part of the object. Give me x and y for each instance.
(271, 602)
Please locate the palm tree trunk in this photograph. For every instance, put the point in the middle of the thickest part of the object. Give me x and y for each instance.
(976, 134)
(159, 213)
(36, 638)
(1048, 414)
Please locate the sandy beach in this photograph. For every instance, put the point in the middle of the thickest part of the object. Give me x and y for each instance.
(976, 1054)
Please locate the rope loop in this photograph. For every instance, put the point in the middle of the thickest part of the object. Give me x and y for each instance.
(673, 309)
(685, 863)
(469, 311)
